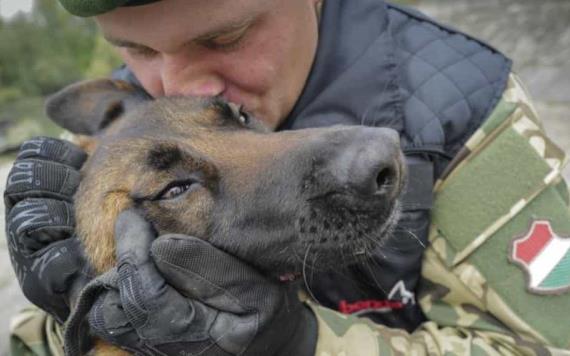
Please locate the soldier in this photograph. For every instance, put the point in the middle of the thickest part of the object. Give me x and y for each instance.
(479, 267)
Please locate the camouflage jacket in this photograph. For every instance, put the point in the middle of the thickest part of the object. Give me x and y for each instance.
(496, 275)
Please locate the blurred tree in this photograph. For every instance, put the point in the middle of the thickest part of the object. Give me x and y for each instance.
(40, 52)
(103, 60)
(44, 50)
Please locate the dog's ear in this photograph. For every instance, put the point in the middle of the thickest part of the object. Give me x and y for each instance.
(88, 107)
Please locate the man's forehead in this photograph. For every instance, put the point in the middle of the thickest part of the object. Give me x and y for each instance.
(173, 19)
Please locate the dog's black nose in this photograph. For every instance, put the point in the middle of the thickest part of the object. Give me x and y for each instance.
(367, 161)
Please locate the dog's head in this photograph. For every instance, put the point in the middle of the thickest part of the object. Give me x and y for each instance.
(203, 167)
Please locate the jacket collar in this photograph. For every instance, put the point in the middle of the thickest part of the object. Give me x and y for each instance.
(354, 77)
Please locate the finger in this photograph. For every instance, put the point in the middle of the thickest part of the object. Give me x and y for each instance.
(32, 178)
(32, 224)
(52, 149)
(107, 320)
(199, 270)
(133, 238)
(50, 276)
(59, 265)
(152, 307)
(176, 323)
(140, 284)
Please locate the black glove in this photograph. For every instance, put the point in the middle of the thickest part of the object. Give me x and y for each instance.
(46, 256)
(213, 303)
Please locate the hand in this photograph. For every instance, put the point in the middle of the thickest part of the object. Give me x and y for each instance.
(45, 254)
(213, 303)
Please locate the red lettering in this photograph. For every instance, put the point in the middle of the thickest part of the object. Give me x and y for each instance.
(351, 308)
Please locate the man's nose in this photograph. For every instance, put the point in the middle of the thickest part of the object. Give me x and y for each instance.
(181, 76)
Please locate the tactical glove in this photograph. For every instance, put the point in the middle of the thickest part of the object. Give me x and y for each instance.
(46, 256)
(213, 303)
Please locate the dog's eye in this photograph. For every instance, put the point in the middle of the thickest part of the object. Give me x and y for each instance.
(175, 190)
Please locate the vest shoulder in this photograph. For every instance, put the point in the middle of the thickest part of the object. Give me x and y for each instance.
(450, 81)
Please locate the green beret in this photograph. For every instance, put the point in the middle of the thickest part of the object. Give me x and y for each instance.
(86, 8)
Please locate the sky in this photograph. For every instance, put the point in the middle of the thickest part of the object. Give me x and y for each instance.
(9, 8)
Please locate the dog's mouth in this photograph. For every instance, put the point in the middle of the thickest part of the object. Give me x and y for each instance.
(337, 230)
(333, 238)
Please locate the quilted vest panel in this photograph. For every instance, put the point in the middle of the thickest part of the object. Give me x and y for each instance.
(450, 82)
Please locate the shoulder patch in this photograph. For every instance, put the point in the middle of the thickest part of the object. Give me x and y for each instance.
(545, 258)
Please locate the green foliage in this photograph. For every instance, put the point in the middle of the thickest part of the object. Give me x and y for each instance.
(103, 60)
(8, 95)
(40, 53)
(44, 50)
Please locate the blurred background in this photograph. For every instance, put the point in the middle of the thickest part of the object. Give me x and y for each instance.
(42, 49)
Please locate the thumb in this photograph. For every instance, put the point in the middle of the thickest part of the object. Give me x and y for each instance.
(141, 286)
(133, 237)
(201, 271)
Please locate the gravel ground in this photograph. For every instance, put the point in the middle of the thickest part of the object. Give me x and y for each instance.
(535, 33)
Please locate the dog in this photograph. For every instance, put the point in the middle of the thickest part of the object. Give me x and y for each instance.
(204, 167)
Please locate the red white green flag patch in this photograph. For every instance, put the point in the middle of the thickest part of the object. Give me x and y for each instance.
(545, 257)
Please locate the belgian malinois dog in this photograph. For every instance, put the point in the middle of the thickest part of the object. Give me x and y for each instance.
(203, 167)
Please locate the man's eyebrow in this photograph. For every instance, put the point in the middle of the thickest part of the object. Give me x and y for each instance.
(227, 28)
(117, 42)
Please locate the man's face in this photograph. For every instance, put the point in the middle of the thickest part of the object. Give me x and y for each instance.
(257, 53)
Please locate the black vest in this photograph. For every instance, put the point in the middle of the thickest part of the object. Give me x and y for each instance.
(383, 65)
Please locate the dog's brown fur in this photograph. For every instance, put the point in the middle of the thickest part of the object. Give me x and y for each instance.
(232, 166)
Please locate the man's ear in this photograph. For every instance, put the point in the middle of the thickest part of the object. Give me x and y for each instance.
(88, 107)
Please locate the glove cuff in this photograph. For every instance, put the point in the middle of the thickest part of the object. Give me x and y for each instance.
(303, 341)
(76, 325)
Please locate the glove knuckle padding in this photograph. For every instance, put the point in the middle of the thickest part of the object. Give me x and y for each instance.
(35, 223)
(33, 178)
(51, 149)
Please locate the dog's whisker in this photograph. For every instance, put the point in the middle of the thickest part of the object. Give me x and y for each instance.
(377, 283)
(363, 119)
(307, 286)
(375, 242)
(284, 251)
(415, 237)
(312, 273)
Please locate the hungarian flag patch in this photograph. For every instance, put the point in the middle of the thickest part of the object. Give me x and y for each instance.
(545, 257)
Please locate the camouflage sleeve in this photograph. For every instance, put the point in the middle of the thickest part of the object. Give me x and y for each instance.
(496, 276)
(34, 333)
